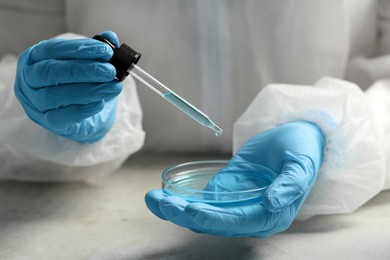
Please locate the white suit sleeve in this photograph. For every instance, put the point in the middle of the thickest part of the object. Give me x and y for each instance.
(30, 152)
(374, 73)
(353, 170)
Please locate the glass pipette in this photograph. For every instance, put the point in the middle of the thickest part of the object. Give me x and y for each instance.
(125, 59)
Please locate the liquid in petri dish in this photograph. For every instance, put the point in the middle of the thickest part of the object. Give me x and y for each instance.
(211, 182)
(192, 111)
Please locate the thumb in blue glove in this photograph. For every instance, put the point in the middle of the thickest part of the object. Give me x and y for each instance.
(294, 151)
(68, 86)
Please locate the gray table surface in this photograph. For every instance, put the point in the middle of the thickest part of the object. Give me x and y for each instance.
(109, 220)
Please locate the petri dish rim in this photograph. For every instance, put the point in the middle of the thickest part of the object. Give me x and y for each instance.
(222, 162)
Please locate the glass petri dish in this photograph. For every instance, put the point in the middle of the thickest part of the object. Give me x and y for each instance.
(217, 182)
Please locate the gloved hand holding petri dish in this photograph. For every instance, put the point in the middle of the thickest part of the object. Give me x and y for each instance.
(217, 182)
(257, 193)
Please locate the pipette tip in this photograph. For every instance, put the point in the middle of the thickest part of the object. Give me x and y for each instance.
(218, 131)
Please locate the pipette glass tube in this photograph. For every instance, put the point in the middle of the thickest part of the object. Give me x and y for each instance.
(174, 98)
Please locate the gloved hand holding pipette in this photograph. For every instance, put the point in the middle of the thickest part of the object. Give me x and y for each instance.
(75, 97)
(294, 151)
(68, 87)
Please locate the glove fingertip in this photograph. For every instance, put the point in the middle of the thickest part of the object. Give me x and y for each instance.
(116, 87)
(111, 36)
(174, 209)
(271, 203)
(152, 200)
(276, 198)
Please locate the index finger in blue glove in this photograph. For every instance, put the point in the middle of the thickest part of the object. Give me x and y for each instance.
(54, 72)
(58, 48)
(55, 97)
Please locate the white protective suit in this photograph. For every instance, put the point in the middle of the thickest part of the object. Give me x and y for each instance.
(219, 55)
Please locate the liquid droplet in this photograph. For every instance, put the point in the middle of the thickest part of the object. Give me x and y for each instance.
(218, 133)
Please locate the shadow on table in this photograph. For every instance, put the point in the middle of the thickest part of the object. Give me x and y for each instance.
(319, 224)
(207, 247)
(336, 222)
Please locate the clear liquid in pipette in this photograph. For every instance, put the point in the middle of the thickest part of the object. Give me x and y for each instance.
(191, 111)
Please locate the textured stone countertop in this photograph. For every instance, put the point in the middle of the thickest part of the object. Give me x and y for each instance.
(109, 220)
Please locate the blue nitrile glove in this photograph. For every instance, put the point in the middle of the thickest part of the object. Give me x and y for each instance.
(68, 87)
(293, 150)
